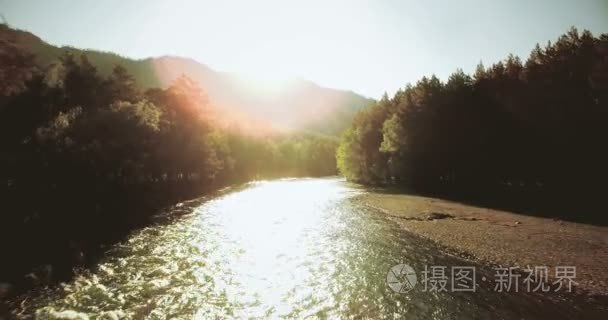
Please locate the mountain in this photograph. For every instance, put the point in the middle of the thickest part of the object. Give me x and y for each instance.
(294, 104)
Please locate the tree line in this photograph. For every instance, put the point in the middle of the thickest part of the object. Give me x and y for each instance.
(535, 128)
(85, 157)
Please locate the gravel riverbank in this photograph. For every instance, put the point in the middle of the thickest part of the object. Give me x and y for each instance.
(503, 238)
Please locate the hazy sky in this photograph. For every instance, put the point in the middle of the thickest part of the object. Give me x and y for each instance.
(365, 46)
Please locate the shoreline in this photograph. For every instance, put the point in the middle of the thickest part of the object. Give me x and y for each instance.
(497, 237)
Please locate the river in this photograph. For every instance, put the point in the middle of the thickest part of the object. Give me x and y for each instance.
(293, 248)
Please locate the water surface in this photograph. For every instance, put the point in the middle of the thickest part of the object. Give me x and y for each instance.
(297, 248)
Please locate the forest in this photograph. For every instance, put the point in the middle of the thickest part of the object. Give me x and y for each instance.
(86, 157)
(531, 132)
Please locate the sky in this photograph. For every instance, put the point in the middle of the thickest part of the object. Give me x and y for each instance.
(369, 47)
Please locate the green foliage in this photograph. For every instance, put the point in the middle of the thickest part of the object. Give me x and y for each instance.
(538, 123)
(358, 156)
(348, 156)
(167, 134)
(90, 147)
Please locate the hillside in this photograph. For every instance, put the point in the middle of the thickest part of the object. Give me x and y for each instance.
(297, 105)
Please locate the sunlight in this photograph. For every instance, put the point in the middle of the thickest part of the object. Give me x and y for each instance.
(272, 224)
(267, 82)
(271, 159)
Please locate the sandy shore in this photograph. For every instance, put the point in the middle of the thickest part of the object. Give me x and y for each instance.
(503, 238)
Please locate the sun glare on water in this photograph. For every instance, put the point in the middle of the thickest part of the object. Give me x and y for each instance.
(272, 224)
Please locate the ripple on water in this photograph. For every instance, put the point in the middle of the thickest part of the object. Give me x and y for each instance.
(288, 248)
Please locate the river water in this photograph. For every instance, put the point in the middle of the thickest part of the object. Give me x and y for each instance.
(296, 248)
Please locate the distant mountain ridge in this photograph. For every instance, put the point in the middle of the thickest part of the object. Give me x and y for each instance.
(298, 105)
